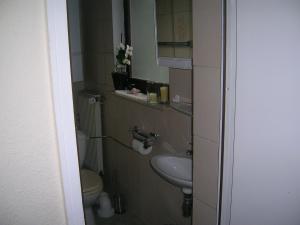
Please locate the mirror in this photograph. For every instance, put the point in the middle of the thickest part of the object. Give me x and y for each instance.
(174, 28)
(160, 32)
(143, 39)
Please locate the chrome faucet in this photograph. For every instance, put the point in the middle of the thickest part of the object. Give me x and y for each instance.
(147, 138)
(189, 152)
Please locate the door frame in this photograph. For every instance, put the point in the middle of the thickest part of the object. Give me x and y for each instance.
(58, 43)
(64, 112)
(230, 76)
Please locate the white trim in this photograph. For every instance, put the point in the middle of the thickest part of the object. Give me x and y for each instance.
(229, 129)
(179, 63)
(222, 78)
(63, 107)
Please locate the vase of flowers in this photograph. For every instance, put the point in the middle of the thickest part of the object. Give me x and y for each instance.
(123, 58)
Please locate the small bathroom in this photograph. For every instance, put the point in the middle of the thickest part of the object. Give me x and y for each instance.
(132, 77)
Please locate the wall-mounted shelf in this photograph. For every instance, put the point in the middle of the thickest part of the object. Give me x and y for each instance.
(139, 96)
(142, 99)
(183, 108)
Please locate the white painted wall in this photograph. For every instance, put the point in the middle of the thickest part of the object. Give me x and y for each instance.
(75, 39)
(266, 177)
(30, 187)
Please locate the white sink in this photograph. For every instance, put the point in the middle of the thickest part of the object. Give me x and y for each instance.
(175, 169)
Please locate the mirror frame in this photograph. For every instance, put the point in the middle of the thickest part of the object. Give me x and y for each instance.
(170, 62)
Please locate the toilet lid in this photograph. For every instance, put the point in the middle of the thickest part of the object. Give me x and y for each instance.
(90, 181)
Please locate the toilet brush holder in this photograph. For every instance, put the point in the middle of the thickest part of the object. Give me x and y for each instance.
(105, 210)
(119, 204)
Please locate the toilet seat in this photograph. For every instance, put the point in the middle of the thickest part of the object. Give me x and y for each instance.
(90, 182)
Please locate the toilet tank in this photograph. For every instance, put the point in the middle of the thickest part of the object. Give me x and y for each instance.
(81, 146)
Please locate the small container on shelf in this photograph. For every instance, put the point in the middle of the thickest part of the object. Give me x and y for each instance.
(164, 94)
(152, 98)
(152, 94)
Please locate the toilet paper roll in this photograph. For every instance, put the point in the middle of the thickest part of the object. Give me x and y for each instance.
(139, 147)
(135, 145)
(145, 151)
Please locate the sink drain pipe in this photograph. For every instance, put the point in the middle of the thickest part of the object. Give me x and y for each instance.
(187, 205)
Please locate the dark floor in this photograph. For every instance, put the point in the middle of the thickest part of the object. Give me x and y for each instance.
(125, 219)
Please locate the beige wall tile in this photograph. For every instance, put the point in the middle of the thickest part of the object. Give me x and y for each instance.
(207, 33)
(182, 5)
(94, 64)
(175, 129)
(97, 42)
(182, 26)
(166, 51)
(180, 83)
(106, 10)
(121, 121)
(205, 171)
(98, 65)
(181, 52)
(203, 214)
(93, 37)
(76, 88)
(107, 32)
(163, 6)
(109, 111)
(207, 102)
(165, 28)
(108, 69)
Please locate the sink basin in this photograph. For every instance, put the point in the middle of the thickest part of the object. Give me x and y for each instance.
(175, 169)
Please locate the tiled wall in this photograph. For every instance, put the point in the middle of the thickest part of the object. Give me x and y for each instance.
(181, 83)
(147, 195)
(75, 39)
(98, 58)
(174, 23)
(136, 179)
(154, 200)
(207, 107)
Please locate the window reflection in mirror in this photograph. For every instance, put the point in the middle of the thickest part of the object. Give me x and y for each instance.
(143, 39)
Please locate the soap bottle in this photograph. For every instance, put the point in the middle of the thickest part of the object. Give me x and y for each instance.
(151, 93)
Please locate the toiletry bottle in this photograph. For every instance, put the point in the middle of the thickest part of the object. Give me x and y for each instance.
(164, 94)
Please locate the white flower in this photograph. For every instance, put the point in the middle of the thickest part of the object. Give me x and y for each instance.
(122, 46)
(129, 50)
(126, 61)
(128, 53)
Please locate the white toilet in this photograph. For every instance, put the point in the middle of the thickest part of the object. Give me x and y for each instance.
(92, 184)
